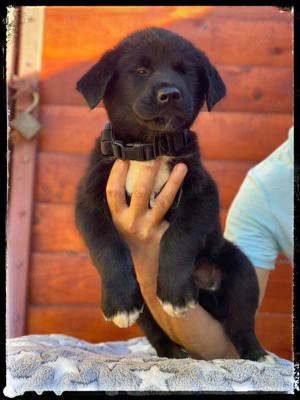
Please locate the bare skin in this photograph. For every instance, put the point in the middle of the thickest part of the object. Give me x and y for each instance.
(142, 228)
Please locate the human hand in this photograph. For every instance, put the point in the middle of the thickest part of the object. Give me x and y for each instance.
(141, 227)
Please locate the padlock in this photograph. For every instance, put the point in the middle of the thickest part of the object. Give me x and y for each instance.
(25, 123)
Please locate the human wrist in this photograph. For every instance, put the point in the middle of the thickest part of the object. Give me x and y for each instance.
(146, 273)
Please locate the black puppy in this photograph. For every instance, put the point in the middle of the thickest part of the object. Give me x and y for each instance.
(153, 84)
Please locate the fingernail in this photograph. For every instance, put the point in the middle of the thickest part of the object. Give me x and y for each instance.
(182, 168)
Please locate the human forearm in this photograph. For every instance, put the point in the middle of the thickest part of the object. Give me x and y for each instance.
(200, 334)
(142, 229)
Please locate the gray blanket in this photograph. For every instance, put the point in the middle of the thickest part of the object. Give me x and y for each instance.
(62, 363)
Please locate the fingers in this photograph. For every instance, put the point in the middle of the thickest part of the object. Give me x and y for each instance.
(166, 197)
(142, 189)
(115, 188)
(115, 191)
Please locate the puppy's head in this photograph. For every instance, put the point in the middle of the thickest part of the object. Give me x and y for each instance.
(153, 81)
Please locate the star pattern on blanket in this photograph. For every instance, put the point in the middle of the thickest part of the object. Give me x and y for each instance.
(61, 363)
(153, 378)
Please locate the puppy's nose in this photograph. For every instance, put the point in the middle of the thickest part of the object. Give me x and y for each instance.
(167, 94)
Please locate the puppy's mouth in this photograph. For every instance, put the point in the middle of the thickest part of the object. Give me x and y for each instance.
(163, 122)
(168, 124)
(163, 118)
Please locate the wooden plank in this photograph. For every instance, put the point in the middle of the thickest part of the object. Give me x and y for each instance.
(63, 279)
(228, 176)
(54, 229)
(241, 136)
(222, 135)
(85, 323)
(257, 41)
(275, 333)
(250, 88)
(94, 35)
(71, 279)
(57, 177)
(22, 169)
(231, 12)
(54, 185)
(255, 13)
(257, 89)
(279, 293)
(70, 129)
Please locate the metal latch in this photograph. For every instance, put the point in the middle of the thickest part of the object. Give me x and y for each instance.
(25, 123)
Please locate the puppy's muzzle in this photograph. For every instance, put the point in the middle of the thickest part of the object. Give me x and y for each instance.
(168, 94)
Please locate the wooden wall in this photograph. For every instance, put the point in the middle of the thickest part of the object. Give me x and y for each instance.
(251, 47)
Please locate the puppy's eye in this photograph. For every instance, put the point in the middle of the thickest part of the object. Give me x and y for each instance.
(142, 71)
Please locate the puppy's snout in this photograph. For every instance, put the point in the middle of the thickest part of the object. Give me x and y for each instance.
(167, 94)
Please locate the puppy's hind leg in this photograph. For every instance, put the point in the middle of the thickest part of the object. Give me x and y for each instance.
(163, 345)
(239, 297)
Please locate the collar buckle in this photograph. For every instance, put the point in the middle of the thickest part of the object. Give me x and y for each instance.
(168, 145)
(117, 149)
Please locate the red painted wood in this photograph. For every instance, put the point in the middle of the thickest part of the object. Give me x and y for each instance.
(87, 322)
(19, 234)
(222, 135)
(257, 89)
(53, 185)
(83, 322)
(249, 124)
(209, 28)
(72, 279)
(22, 170)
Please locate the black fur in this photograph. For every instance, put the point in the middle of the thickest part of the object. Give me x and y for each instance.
(128, 79)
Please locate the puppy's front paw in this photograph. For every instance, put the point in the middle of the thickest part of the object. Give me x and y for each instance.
(124, 319)
(122, 307)
(176, 311)
(177, 297)
(269, 359)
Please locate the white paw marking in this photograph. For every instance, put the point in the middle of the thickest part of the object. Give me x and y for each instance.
(213, 287)
(269, 359)
(175, 311)
(124, 319)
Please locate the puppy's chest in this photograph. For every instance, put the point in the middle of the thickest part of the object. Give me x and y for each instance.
(133, 176)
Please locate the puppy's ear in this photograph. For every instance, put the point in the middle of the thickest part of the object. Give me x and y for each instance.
(216, 88)
(93, 84)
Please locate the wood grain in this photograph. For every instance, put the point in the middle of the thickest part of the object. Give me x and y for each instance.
(201, 25)
(87, 323)
(241, 136)
(251, 47)
(70, 129)
(258, 13)
(278, 297)
(64, 279)
(71, 279)
(222, 135)
(250, 88)
(82, 322)
(54, 228)
(22, 169)
(58, 176)
(275, 333)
